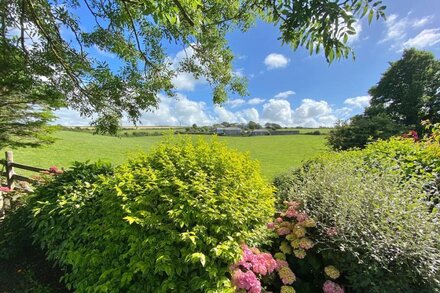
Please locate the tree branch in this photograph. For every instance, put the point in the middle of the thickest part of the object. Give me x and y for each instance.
(182, 10)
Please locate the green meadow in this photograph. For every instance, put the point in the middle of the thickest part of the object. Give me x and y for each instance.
(277, 154)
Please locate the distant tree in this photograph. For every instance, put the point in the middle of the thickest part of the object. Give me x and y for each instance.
(409, 91)
(194, 126)
(58, 37)
(273, 126)
(362, 129)
(226, 124)
(254, 125)
(407, 94)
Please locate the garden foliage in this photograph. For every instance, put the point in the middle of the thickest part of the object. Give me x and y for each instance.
(377, 213)
(169, 221)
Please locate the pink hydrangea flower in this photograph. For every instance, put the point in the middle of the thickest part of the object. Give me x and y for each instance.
(291, 212)
(301, 217)
(283, 231)
(245, 280)
(332, 287)
(279, 220)
(281, 264)
(270, 225)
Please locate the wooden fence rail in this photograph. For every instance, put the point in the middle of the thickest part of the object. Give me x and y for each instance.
(9, 173)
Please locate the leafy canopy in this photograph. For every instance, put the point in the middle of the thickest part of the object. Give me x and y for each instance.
(409, 91)
(407, 94)
(58, 33)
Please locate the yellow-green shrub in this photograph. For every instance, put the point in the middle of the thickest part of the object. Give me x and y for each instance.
(169, 221)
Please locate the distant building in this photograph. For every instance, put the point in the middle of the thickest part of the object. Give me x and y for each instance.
(285, 132)
(229, 131)
(257, 132)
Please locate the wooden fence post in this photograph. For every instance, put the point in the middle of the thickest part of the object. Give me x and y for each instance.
(9, 169)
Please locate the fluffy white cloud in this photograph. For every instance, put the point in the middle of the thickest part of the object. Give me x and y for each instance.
(312, 113)
(256, 101)
(177, 111)
(277, 111)
(275, 60)
(426, 38)
(358, 102)
(284, 95)
(183, 80)
(236, 102)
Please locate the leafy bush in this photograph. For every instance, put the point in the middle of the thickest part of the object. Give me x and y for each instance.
(169, 221)
(374, 220)
(362, 129)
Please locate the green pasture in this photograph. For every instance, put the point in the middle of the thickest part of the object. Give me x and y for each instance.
(276, 154)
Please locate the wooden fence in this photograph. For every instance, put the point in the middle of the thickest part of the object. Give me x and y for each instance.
(9, 167)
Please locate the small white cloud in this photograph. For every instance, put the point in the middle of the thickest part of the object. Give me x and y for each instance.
(275, 60)
(422, 21)
(426, 38)
(256, 101)
(358, 102)
(236, 102)
(284, 95)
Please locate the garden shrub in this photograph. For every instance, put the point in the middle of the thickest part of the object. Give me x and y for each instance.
(374, 220)
(169, 221)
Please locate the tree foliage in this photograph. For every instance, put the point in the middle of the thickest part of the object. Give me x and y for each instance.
(138, 32)
(362, 129)
(409, 91)
(407, 94)
(25, 101)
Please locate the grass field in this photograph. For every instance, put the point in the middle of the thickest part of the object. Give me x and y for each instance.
(277, 154)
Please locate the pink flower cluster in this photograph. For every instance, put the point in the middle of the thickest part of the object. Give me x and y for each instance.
(4, 189)
(332, 287)
(292, 225)
(252, 263)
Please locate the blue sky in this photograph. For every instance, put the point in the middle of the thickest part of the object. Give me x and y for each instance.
(293, 88)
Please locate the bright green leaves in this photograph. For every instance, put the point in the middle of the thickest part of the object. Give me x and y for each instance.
(169, 221)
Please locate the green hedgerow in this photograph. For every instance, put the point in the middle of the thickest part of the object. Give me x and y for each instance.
(168, 221)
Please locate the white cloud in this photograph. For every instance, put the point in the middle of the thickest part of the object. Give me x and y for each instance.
(177, 111)
(358, 102)
(256, 101)
(236, 102)
(284, 95)
(313, 113)
(277, 111)
(426, 38)
(70, 117)
(399, 28)
(275, 60)
(183, 80)
(396, 28)
(422, 21)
